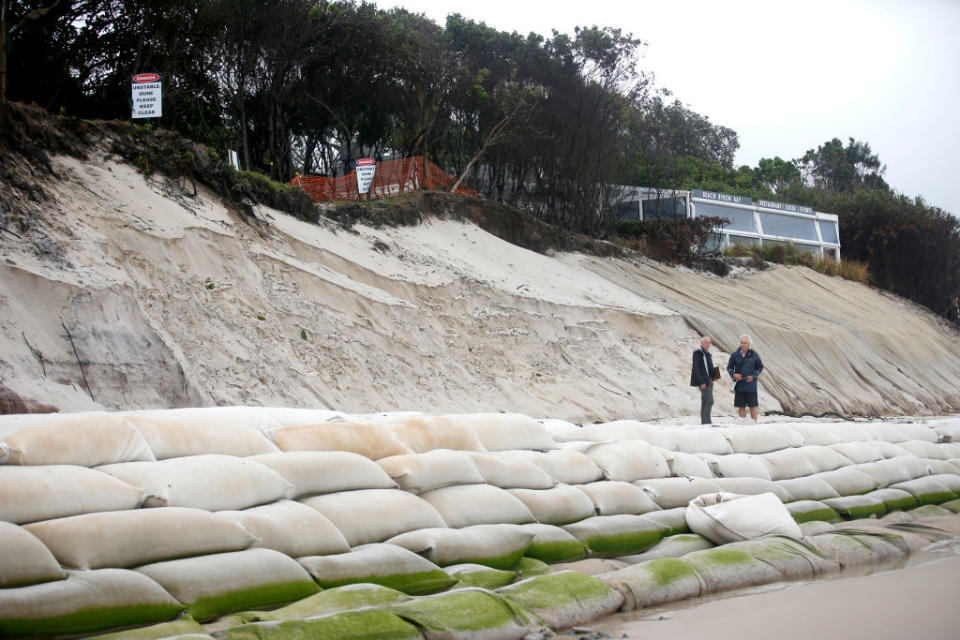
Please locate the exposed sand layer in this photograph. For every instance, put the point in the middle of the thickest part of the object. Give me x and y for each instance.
(129, 293)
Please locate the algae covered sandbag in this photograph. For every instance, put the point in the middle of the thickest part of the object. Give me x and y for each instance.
(564, 599)
(365, 624)
(565, 466)
(383, 564)
(855, 507)
(811, 510)
(560, 505)
(495, 545)
(189, 432)
(369, 439)
(512, 474)
(725, 517)
(24, 559)
(849, 549)
(129, 538)
(465, 614)
(670, 493)
(373, 515)
(478, 575)
(815, 528)
(552, 544)
(211, 482)
(427, 433)
(471, 504)
(85, 439)
(318, 472)
(29, 494)
(530, 567)
(216, 584)
(86, 602)
(507, 431)
(673, 520)
(671, 547)
(795, 560)
(614, 497)
(928, 490)
(720, 569)
(629, 460)
(184, 626)
(345, 598)
(610, 536)
(420, 472)
(291, 528)
(654, 582)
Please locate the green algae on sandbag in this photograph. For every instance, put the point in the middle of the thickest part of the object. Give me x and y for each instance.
(222, 583)
(930, 511)
(951, 505)
(478, 575)
(792, 558)
(467, 614)
(810, 510)
(853, 548)
(499, 546)
(552, 544)
(611, 536)
(183, 625)
(815, 528)
(894, 499)
(367, 624)
(530, 567)
(564, 599)
(346, 598)
(654, 582)
(928, 490)
(675, 520)
(86, 602)
(720, 569)
(384, 564)
(671, 547)
(857, 507)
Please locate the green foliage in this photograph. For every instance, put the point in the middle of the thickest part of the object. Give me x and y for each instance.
(671, 240)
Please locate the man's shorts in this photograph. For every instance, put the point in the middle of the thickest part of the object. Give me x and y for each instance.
(745, 399)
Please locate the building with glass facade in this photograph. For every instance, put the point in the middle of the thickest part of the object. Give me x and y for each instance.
(760, 222)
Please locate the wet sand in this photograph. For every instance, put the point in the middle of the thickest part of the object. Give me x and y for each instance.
(920, 601)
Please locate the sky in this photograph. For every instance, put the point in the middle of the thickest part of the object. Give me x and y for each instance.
(788, 75)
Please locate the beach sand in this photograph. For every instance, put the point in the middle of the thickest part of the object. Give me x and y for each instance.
(920, 601)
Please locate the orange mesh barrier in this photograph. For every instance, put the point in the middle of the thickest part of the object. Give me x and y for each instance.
(391, 178)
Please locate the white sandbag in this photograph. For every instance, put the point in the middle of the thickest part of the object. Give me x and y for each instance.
(915, 431)
(815, 528)
(317, 472)
(702, 439)
(738, 465)
(622, 430)
(211, 482)
(24, 559)
(560, 505)
(387, 565)
(564, 599)
(848, 481)
(426, 433)
(752, 487)
(290, 417)
(808, 488)
(213, 585)
(292, 528)
(512, 474)
(788, 463)
(847, 432)
(507, 431)
(946, 430)
(761, 438)
(824, 458)
(466, 505)
(564, 466)
(553, 425)
(29, 494)
(629, 460)
(369, 439)
(373, 515)
(85, 439)
(493, 545)
(926, 449)
(952, 449)
(420, 472)
(890, 450)
(677, 492)
(179, 432)
(885, 432)
(858, 452)
(686, 464)
(86, 602)
(938, 467)
(814, 433)
(725, 517)
(892, 470)
(674, 520)
(121, 539)
(613, 497)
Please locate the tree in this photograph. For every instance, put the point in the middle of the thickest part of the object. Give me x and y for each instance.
(8, 24)
(836, 167)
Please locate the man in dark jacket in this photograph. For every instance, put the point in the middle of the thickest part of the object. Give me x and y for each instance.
(745, 366)
(701, 376)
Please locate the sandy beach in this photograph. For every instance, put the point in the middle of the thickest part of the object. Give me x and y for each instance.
(918, 601)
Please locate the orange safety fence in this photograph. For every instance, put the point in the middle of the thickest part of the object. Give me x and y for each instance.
(391, 178)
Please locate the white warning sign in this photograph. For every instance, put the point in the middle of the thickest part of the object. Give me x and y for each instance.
(366, 167)
(145, 98)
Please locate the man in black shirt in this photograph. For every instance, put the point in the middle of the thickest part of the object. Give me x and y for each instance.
(701, 376)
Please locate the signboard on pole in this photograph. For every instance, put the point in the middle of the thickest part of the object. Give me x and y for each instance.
(145, 98)
(366, 167)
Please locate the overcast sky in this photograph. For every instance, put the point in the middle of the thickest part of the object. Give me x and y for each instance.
(787, 76)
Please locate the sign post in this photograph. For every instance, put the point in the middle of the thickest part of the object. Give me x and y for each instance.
(366, 167)
(146, 94)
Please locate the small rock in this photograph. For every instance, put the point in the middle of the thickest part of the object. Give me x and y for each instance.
(582, 630)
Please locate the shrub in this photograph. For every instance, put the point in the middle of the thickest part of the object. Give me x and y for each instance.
(854, 270)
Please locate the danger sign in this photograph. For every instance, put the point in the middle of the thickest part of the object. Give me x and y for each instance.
(145, 98)
(366, 167)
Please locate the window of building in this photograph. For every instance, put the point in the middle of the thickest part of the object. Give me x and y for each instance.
(664, 208)
(740, 219)
(775, 224)
(828, 231)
